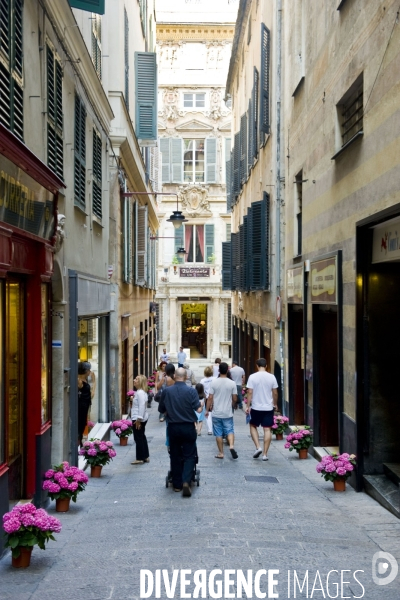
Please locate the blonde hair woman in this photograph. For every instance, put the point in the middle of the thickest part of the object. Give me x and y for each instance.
(206, 381)
(139, 418)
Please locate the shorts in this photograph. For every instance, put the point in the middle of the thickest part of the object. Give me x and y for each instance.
(265, 418)
(222, 427)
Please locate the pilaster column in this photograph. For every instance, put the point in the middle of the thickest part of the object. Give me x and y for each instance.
(215, 348)
(59, 416)
(173, 347)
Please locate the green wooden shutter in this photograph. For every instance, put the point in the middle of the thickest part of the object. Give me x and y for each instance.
(235, 261)
(80, 153)
(96, 6)
(165, 160)
(250, 132)
(55, 144)
(264, 83)
(226, 266)
(5, 27)
(209, 241)
(177, 160)
(243, 148)
(97, 174)
(126, 57)
(240, 284)
(266, 201)
(249, 261)
(141, 246)
(179, 243)
(236, 167)
(255, 112)
(96, 44)
(228, 187)
(127, 241)
(259, 245)
(146, 95)
(228, 234)
(211, 160)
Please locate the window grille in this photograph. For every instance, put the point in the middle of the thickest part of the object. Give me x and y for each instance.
(352, 114)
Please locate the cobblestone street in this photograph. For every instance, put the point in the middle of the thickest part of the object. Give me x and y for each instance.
(128, 520)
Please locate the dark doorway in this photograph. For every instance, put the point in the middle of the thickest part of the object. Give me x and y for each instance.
(296, 364)
(146, 356)
(125, 377)
(141, 367)
(135, 360)
(326, 372)
(266, 353)
(249, 368)
(151, 353)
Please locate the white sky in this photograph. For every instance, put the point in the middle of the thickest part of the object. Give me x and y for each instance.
(196, 11)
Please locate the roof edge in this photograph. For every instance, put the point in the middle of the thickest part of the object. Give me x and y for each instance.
(243, 13)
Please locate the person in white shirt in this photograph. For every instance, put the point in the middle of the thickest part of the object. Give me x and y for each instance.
(262, 399)
(223, 398)
(164, 356)
(237, 374)
(139, 418)
(190, 378)
(206, 381)
(216, 367)
(181, 357)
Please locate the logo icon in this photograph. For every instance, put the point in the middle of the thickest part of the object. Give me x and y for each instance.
(384, 564)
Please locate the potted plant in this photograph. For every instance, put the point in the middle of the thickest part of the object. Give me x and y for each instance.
(123, 429)
(151, 382)
(175, 261)
(26, 526)
(90, 426)
(279, 426)
(211, 259)
(337, 468)
(63, 483)
(300, 440)
(97, 454)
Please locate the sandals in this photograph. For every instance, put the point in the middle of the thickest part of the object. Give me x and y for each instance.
(137, 462)
(234, 454)
(219, 456)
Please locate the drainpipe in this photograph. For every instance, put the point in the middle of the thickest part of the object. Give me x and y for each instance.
(278, 186)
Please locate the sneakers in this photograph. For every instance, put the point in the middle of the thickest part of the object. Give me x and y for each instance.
(234, 454)
(265, 457)
(210, 433)
(257, 453)
(186, 491)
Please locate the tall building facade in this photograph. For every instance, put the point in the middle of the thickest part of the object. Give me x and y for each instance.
(194, 140)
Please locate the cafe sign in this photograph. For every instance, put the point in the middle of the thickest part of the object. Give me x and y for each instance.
(324, 281)
(194, 272)
(24, 203)
(295, 285)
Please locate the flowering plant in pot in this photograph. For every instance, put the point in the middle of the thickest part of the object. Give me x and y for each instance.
(337, 468)
(244, 394)
(300, 440)
(123, 429)
(63, 483)
(97, 454)
(26, 526)
(279, 426)
(151, 383)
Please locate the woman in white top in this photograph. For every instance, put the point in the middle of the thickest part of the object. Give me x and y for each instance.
(139, 418)
(206, 381)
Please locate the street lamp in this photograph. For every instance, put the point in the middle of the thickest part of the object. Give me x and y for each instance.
(181, 253)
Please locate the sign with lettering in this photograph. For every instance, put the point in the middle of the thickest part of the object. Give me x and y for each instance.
(324, 281)
(295, 285)
(194, 271)
(24, 203)
(386, 242)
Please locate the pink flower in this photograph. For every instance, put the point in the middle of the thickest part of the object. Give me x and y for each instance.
(73, 486)
(118, 431)
(124, 427)
(11, 525)
(92, 452)
(27, 520)
(112, 453)
(330, 468)
(345, 455)
(109, 444)
(295, 442)
(27, 508)
(287, 445)
(103, 447)
(49, 473)
(341, 471)
(349, 467)
(87, 444)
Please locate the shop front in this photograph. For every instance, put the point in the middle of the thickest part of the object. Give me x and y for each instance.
(28, 206)
(296, 328)
(194, 328)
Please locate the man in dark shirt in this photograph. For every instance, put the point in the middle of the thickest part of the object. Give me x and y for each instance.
(180, 402)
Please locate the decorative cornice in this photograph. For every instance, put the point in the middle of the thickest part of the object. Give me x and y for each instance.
(167, 32)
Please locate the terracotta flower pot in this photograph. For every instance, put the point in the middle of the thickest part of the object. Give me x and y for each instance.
(123, 441)
(96, 471)
(279, 436)
(62, 504)
(303, 453)
(339, 485)
(24, 559)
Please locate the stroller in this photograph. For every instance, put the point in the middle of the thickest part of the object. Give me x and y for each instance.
(195, 474)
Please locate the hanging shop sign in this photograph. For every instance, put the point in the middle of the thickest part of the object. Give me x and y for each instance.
(324, 281)
(386, 242)
(194, 272)
(295, 285)
(255, 331)
(24, 203)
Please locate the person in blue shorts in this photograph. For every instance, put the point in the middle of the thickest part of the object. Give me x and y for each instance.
(223, 397)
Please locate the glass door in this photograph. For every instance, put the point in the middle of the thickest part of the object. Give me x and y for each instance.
(14, 388)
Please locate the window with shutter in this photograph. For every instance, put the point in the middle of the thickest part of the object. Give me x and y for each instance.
(126, 56)
(146, 95)
(235, 261)
(165, 160)
(250, 133)
(96, 43)
(249, 261)
(127, 241)
(80, 153)
(264, 83)
(177, 160)
(243, 148)
(211, 160)
(267, 225)
(11, 68)
(96, 6)
(236, 167)
(55, 146)
(260, 244)
(228, 187)
(179, 243)
(209, 242)
(141, 246)
(229, 323)
(155, 168)
(228, 227)
(226, 266)
(254, 102)
(240, 282)
(194, 160)
(97, 174)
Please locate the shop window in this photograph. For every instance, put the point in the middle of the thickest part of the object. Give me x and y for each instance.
(90, 349)
(80, 154)
(11, 67)
(96, 43)
(97, 174)
(55, 147)
(45, 364)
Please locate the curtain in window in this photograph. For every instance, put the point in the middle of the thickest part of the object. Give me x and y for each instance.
(189, 242)
(200, 242)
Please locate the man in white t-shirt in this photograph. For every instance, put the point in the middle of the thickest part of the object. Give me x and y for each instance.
(164, 356)
(262, 399)
(237, 374)
(223, 397)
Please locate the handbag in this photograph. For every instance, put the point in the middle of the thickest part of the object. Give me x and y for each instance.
(157, 397)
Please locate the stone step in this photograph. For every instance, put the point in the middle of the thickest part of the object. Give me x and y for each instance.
(383, 491)
(392, 471)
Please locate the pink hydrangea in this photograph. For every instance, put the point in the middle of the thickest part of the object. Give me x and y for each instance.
(109, 444)
(11, 525)
(124, 427)
(103, 447)
(73, 486)
(49, 473)
(341, 471)
(112, 453)
(118, 431)
(92, 452)
(287, 445)
(295, 442)
(349, 467)
(27, 520)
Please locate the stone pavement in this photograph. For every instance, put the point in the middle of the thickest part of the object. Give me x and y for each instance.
(128, 520)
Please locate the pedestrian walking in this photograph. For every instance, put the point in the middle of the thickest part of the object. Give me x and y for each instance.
(206, 381)
(85, 395)
(190, 378)
(238, 376)
(164, 356)
(161, 383)
(180, 401)
(202, 398)
(139, 418)
(216, 367)
(262, 398)
(223, 398)
(181, 357)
